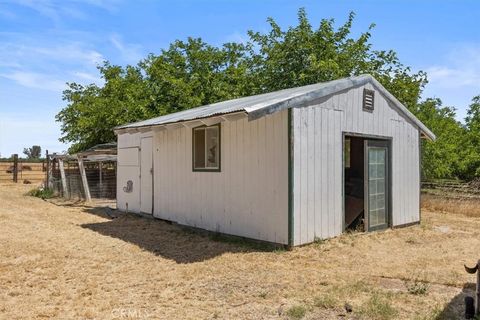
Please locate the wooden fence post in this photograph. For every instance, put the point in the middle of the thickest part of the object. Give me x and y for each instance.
(51, 168)
(15, 168)
(101, 178)
(47, 182)
(64, 178)
(84, 179)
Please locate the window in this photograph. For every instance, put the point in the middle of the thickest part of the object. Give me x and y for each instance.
(206, 148)
(368, 99)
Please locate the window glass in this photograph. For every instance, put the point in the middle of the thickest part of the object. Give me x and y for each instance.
(212, 147)
(199, 148)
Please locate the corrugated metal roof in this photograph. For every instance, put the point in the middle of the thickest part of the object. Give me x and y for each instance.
(263, 104)
(103, 146)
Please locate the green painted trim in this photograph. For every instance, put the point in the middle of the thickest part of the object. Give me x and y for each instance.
(419, 176)
(290, 178)
(377, 144)
(406, 225)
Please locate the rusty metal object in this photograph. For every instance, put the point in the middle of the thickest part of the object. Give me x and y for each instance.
(473, 270)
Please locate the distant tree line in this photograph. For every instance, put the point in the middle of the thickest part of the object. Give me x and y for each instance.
(35, 152)
(32, 153)
(192, 73)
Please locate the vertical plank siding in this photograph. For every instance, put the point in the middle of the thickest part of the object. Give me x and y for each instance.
(249, 197)
(318, 162)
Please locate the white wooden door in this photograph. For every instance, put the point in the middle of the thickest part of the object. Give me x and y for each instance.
(146, 175)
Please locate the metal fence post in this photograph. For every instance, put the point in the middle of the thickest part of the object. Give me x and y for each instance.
(15, 168)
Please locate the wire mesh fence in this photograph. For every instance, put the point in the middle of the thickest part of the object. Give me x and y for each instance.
(91, 174)
(73, 181)
(101, 179)
(453, 188)
(27, 171)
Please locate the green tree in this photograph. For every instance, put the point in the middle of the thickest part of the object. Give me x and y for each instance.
(192, 73)
(92, 112)
(471, 160)
(35, 152)
(302, 55)
(441, 159)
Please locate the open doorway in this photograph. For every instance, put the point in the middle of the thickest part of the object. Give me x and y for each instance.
(366, 184)
(354, 164)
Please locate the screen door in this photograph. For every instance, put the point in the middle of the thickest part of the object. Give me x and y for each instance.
(376, 184)
(146, 175)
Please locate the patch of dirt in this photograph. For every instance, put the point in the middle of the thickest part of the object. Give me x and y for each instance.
(72, 261)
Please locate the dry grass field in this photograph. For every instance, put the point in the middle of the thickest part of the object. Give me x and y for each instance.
(70, 261)
(28, 171)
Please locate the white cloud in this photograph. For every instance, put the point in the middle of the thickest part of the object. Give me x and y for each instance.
(457, 80)
(69, 52)
(56, 10)
(451, 77)
(44, 7)
(89, 77)
(47, 65)
(36, 63)
(461, 68)
(9, 64)
(22, 51)
(237, 37)
(7, 14)
(35, 80)
(109, 5)
(130, 53)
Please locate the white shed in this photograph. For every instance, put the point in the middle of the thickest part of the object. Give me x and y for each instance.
(286, 167)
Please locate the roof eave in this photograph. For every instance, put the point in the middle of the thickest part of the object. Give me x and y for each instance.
(202, 120)
(258, 111)
(262, 109)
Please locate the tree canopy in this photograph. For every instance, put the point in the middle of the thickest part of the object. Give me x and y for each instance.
(35, 152)
(191, 73)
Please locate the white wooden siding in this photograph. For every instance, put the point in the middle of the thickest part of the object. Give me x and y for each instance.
(249, 197)
(318, 163)
(128, 156)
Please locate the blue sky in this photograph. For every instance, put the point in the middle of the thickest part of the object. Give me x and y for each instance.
(45, 43)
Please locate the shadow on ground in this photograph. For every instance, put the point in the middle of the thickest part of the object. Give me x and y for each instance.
(100, 207)
(455, 309)
(171, 241)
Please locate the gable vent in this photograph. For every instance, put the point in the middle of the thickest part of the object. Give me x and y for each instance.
(368, 99)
